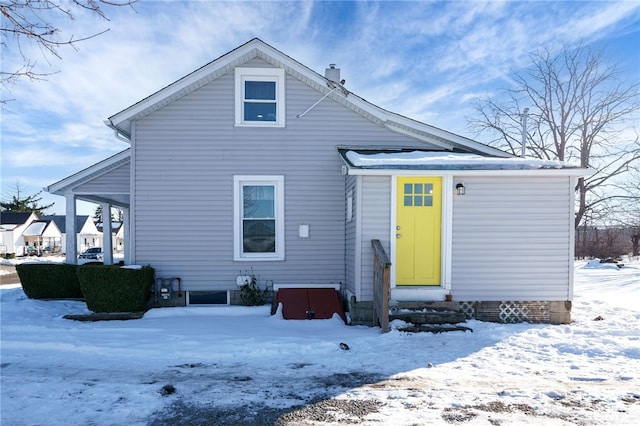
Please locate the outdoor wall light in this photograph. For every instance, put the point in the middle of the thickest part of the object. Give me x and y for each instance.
(460, 189)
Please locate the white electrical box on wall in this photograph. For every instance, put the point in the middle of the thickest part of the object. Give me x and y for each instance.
(303, 231)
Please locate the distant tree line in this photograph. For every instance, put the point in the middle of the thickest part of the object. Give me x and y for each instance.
(607, 242)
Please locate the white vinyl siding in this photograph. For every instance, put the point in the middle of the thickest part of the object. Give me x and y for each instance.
(186, 155)
(510, 236)
(352, 243)
(375, 214)
(115, 181)
(511, 239)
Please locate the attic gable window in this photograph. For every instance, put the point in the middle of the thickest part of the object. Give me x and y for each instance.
(259, 94)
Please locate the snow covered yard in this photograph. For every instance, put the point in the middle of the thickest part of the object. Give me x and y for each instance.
(241, 366)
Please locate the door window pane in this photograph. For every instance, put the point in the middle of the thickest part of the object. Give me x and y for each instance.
(428, 188)
(418, 194)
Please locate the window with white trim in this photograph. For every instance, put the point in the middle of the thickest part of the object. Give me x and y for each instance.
(258, 225)
(259, 97)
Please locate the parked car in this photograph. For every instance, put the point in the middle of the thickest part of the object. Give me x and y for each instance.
(92, 253)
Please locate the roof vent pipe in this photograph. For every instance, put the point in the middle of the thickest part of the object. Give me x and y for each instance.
(332, 73)
(524, 132)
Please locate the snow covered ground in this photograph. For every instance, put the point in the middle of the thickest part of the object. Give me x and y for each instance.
(241, 366)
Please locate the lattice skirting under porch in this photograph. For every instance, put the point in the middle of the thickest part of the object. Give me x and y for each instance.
(552, 312)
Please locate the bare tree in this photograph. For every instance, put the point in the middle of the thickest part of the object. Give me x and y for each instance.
(580, 112)
(631, 211)
(26, 21)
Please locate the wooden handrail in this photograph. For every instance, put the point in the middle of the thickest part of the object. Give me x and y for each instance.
(379, 252)
(381, 285)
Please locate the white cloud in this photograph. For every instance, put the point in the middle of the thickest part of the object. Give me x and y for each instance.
(600, 19)
(52, 158)
(426, 60)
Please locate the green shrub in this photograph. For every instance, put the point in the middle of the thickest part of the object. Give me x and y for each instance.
(9, 255)
(115, 289)
(49, 280)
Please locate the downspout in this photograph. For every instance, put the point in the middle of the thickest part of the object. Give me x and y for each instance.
(118, 134)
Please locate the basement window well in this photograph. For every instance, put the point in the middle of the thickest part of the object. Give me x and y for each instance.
(207, 298)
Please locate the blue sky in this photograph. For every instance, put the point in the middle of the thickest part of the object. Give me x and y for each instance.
(428, 60)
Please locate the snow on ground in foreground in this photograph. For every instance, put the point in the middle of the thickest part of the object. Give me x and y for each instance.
(57, 371)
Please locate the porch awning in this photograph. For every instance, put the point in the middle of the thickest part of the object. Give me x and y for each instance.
(104, 182)
(410, 159)
(36, 229)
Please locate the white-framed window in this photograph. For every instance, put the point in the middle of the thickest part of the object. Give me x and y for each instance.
(259, 97)
(258, 224)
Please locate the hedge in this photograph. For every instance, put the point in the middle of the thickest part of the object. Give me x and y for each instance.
(115, 289)
(49, 280)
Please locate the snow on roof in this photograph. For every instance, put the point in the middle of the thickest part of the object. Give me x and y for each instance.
(443, 160)
(35, 229)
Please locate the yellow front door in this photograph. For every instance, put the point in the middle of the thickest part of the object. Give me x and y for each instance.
(418, 218)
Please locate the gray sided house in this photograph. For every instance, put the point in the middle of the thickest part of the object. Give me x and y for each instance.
(256, 163)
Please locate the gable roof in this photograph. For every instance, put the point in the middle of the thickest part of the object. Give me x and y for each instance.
(115, 227)
(256, 48)
(41, 228)
(14, 218)
(91, 172)
(61, 221)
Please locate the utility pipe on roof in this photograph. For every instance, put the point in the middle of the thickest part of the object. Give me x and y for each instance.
(524, 132)
(319, 100)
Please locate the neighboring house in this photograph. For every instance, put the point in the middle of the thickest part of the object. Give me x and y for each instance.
(288, 174)
(12, 226)
(88, 235)
(42, 236)
(117, 235)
